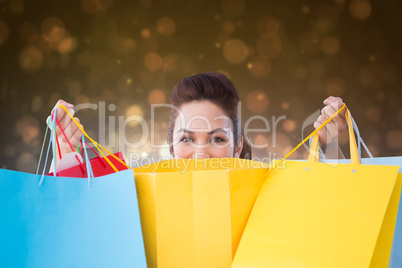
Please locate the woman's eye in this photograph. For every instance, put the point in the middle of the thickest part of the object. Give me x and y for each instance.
(217, 140)
(186, 139)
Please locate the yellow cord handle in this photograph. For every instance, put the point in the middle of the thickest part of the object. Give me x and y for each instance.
(308, 137)
(314, 155)
(95, 143)
(354, 153)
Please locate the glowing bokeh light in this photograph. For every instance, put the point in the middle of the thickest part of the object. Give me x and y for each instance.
(121, 44)
(229, 27)
(26, 162)
(233, 8)
(95, 6)
(393, 139)
(372, 76)
(156, 96)
(145, 3)
(268, 24)
(31, 59)
(16, 7)
(169, 63)
(260, 140)
(81, 98)
(330, 45)
(259, 67)
(36, 104)
(9, 151)
(373, 114)
(4, 32)
(235, 51)
(108, 95)
(134, 110)
(327, 18)
(310, 43)
(145, 33)
(257, 101)
(269, 45)
(305, 9)
(285, 105)
(53, 29)
(380, 96)
(153, 61)
(360, 9)
(289, 125)
(165, 26)
(279, 145)
(27, 127)
(66, 45)
(339, 2)
(41, 42)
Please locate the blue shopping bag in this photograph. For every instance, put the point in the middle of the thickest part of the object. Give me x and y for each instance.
(64, 223)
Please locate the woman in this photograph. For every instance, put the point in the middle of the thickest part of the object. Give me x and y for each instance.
(204, 121)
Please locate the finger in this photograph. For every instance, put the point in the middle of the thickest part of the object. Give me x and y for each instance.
(337, 122)
(76, 138)
(60, 111)
(70, 134)
(329, 111)
(323, 132)
(63, 117)
(332, 99)
(68, 128)
(74, 126)
(333, 129)
(336, 103)
(67, 122)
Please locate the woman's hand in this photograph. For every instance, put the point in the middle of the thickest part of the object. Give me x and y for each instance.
(71, 130)
(330, 132)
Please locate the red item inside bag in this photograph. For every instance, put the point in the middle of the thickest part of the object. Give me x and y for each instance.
(99, 167)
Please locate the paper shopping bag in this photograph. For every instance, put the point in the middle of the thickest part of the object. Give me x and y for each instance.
(314, 215)
(99, 167)
(311, 214)
(62, 223)
(388, 250)
(193, 212)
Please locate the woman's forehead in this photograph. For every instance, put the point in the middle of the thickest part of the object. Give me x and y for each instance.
(202, 115)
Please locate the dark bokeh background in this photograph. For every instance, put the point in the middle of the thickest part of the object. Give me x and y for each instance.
(285, 57)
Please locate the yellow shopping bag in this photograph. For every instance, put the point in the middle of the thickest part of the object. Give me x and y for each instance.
(193, 212)
(311, 214)
(382, 252)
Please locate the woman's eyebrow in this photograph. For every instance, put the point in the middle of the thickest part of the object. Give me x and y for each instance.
(185, 131)
(209, 133)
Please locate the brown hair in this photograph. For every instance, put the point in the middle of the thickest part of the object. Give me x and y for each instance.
(218, 89)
